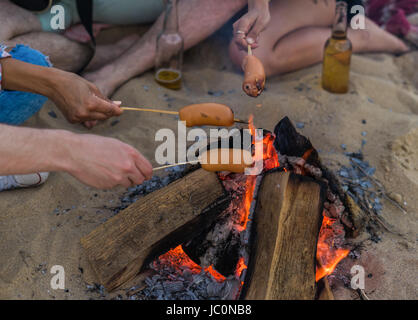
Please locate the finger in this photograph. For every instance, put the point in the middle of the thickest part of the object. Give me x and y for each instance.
(258, 27)
(117, 111)
(136, 178)
(241, 43)
(127, 183)
(241, 29)
(118, 103)
(94, 116)
(90, 124)
(105, 107)
(143, 165)
(244, 24)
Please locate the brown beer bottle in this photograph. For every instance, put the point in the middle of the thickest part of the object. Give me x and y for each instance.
(170, 46)
(337, 54)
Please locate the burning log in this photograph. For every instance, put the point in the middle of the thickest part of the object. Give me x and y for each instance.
(119, 248)
(292, 144)
(289, 142)
(287, 221)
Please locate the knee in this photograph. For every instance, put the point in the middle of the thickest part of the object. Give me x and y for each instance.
(29, 55)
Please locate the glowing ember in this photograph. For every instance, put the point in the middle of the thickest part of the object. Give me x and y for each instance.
(240, 267)
(307, 154)
(178, 259)
(327, 255)
(215, 274)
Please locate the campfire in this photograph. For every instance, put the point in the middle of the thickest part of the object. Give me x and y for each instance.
(229, 235)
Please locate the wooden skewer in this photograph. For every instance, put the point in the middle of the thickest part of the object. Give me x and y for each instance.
(150, 110)
(250, 51)
(173, 165)
(166, 112)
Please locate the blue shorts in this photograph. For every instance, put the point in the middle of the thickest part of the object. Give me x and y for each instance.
(17, 106)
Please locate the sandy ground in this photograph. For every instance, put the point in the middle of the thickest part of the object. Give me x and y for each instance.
(38, 232)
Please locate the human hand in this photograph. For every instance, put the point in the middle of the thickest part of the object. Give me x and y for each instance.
(105, 163)
(81, 101)
(248, 28)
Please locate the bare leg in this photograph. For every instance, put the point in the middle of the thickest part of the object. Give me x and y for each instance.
(198, 19)
(64, 54)
(108, 52)
(294, 40)
(16, 21)
(19, 26)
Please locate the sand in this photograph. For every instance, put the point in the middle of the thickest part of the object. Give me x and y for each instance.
(383, 91)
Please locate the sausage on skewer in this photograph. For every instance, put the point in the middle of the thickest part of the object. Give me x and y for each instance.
(254, 75)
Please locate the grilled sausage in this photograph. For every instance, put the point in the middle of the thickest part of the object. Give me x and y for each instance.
(254, 76)
(210, 114)
(222, 159)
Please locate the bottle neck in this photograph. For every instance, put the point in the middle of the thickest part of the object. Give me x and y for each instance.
(171, 22)
(339, 28)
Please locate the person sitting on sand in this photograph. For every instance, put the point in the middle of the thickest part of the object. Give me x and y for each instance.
(116, 63)
(285, 35)
(290, 35)
(26, 79)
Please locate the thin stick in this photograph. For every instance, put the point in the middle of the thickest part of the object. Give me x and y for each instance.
(241, 121)
(175, 164)
(166, 112)
(250, 51)
(150, 110)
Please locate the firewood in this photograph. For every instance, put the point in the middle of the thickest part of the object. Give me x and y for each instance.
(119, 248)
(326, 292)
(291, 143)
(287, 221)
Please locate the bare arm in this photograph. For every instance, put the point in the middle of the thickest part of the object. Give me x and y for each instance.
(78, 99)
(250, 25)
(97, 161)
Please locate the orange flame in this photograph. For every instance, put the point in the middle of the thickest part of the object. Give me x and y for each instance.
(270, 159)
(240, 267)
(327, 256)
(178, 258)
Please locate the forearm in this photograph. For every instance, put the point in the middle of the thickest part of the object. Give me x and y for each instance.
(25, 150)
(22, 76)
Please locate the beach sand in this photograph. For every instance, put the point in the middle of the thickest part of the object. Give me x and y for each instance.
(38, 232)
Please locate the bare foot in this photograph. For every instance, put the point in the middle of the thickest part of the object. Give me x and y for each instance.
(108, 52)
(375, 39)
(103, 79)
(130, 64)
